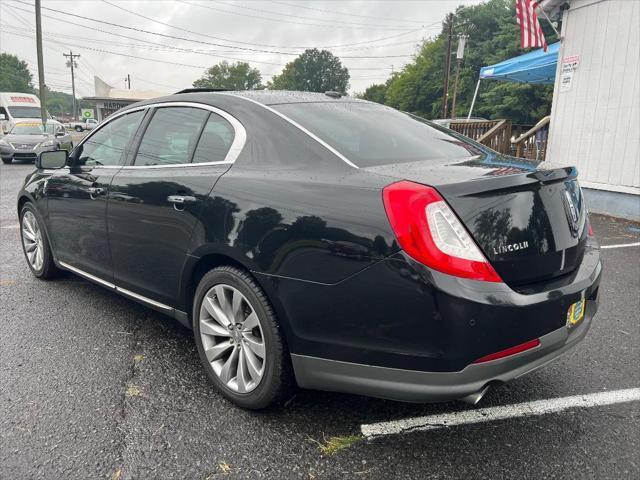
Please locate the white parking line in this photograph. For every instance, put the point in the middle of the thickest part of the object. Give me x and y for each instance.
(622, 245)
(17, 225)
(518, 410)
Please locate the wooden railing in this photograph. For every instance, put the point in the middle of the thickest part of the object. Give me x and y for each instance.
(495, 134)
(474, 128)
(533, 143)
(499, 137)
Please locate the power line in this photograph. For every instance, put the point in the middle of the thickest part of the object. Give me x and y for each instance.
(81, 46)
(271, 12)
(209, 36)
(344, 13)
(173, 37)
(215, 9)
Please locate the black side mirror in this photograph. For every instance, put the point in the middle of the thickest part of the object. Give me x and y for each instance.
(54, 159)
(60, 134)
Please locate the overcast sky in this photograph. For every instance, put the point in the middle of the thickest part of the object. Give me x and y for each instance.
(221, 30)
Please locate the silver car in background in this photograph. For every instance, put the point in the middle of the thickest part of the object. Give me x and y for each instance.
(27, 139)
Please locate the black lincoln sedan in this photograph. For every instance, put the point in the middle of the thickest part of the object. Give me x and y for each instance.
(323, 241)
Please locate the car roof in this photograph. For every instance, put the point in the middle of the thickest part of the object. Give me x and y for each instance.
(265, 97)
(274, 97)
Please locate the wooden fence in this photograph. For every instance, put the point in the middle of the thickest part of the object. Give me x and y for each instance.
(498, 135)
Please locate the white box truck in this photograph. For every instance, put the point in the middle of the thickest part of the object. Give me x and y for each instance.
(17, 106)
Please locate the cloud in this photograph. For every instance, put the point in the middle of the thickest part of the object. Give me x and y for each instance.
(276, 26)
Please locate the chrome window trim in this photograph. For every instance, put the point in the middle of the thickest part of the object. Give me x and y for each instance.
(297, 125)
(239, 139)
(112, 286)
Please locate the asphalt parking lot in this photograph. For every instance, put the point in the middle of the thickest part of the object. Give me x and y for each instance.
(93, 385)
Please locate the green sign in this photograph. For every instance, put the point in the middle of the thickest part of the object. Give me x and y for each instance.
(87, 113)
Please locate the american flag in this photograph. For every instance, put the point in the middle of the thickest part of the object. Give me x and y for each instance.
(531, 34)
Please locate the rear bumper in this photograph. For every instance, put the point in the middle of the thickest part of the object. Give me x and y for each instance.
(420, 386)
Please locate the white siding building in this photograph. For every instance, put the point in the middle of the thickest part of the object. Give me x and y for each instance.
(595, 117)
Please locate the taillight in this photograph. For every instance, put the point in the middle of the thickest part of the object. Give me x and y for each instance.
(429, 231)
(590, 231)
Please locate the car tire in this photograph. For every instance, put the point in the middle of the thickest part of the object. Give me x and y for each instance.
(78, 129)
(7, 161)
(34, 238)
(276, 381)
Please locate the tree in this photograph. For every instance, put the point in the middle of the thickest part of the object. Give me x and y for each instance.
(14, 75)
(234, 76)
(375, 93)
(493, 36)
(313, 71)
(61, 104)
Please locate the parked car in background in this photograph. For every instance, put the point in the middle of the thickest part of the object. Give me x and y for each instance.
(84, 124)
(446, 122)
(16, 106)
(27, 139)
(332, 242)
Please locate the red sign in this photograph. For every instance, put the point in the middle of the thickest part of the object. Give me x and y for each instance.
(23, 99)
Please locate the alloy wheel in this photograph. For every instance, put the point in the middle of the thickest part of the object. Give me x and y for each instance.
(232, 338)
(32, 240)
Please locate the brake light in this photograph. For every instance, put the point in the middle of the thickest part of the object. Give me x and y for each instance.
(590, 231)
(509, 351)
(431, 233)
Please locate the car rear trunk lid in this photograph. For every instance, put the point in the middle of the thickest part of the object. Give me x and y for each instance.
(529, 222)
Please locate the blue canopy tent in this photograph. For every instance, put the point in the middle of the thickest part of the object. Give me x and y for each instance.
(533, 67)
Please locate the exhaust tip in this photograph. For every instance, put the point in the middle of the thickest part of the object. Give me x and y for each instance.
(474, 398)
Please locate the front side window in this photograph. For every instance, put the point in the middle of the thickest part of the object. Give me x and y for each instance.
(171, 136)
(371, 134)
(108, 144)
(215, 141)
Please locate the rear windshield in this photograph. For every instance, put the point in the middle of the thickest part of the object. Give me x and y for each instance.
(370, 134)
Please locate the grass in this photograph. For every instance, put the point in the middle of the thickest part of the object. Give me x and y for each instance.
(133, 391)
(333, 445)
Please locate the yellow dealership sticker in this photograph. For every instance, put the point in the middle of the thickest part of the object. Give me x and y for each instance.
(576, 312)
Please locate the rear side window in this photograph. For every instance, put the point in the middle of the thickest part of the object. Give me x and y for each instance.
(171, 136)
(107, 145)
(370, 134)
(215, 142)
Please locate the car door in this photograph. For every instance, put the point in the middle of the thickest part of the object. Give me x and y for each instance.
(77, 197)
(154, 203)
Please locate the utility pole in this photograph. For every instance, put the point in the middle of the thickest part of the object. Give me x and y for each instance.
(462, 40)
(128, 80)
(445, 94)
(43, 103)
(72, 63)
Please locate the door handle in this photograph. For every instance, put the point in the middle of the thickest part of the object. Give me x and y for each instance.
(94, 192)
(180, 199)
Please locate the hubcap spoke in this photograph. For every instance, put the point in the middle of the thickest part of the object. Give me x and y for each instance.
(229, 366)
(252, 364)
(27, 235)
(251, 322)
(233, 345)
(214, 310)
(215, 352)
(255, 344)
(223, 301)
(240, 378)
(209, 328)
